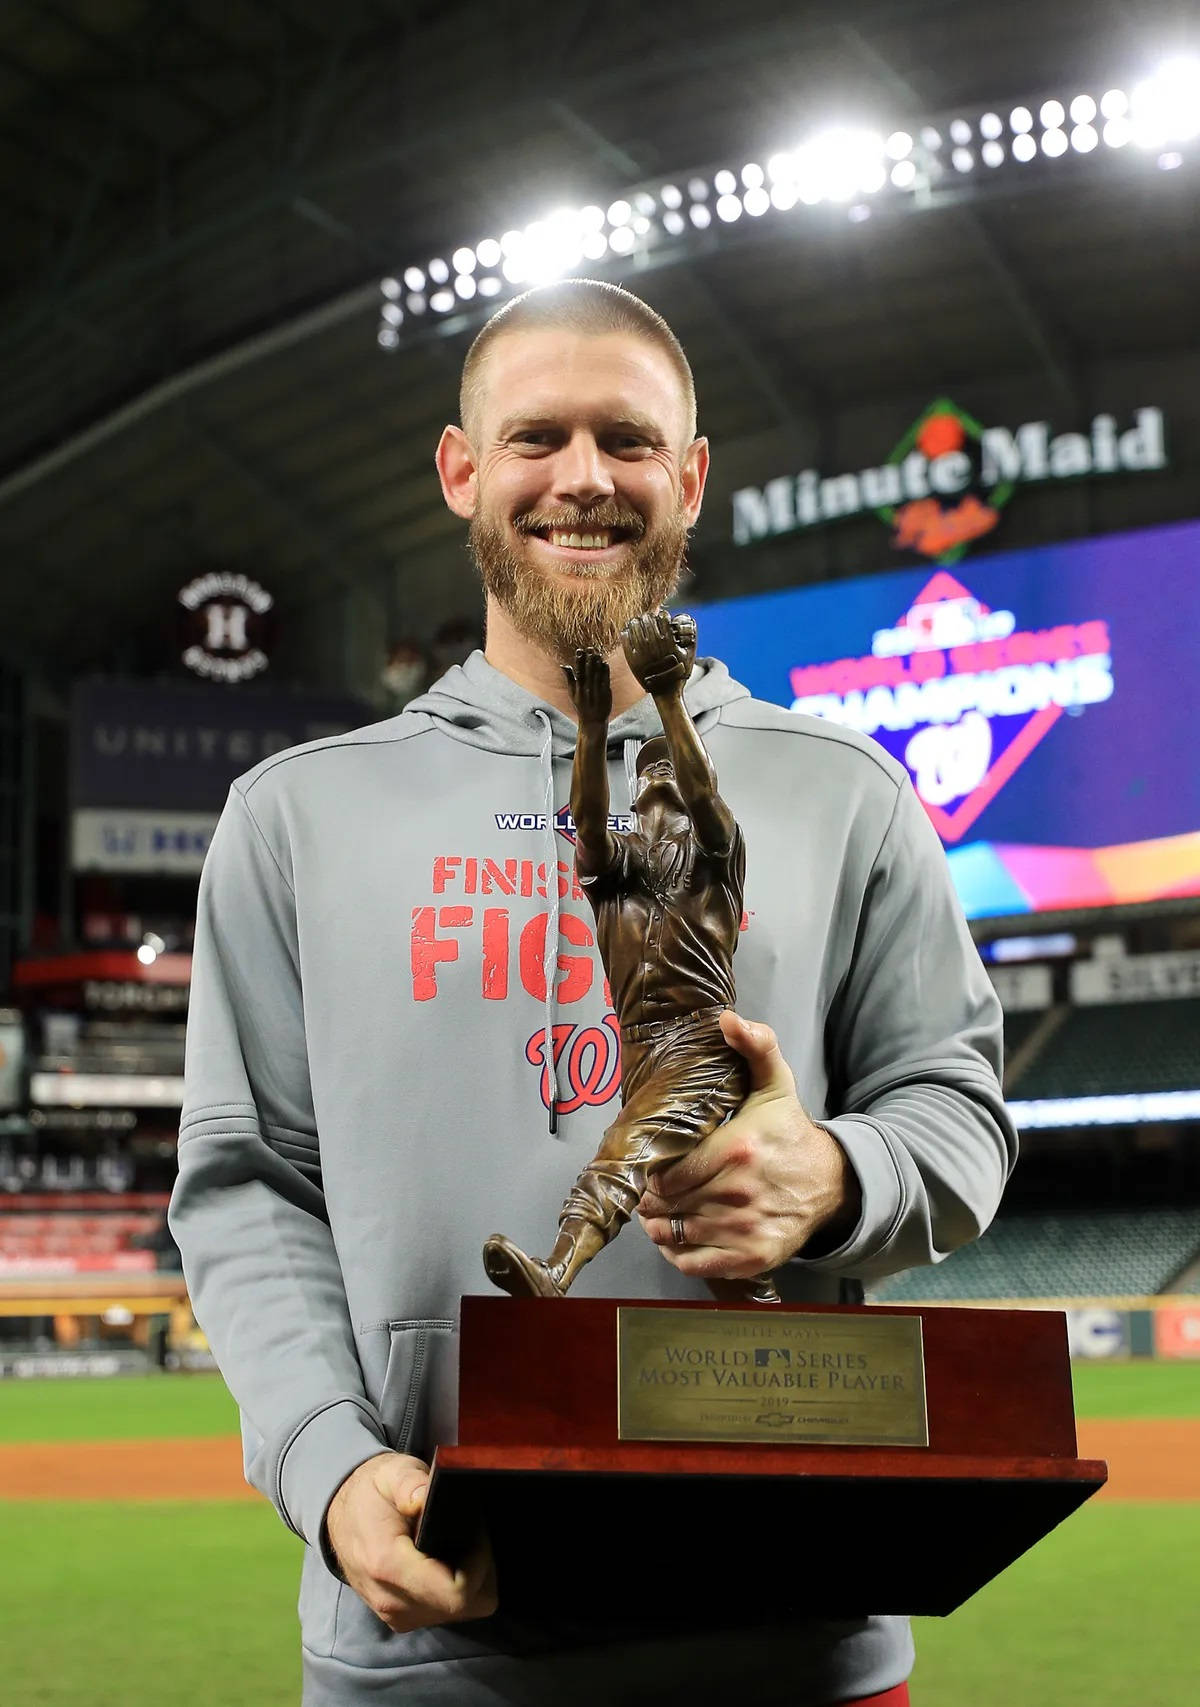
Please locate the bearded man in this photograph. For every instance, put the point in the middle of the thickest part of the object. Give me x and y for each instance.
(395, 974)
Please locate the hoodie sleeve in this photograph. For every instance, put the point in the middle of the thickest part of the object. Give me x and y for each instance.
(914, 1043)
(248, 1210)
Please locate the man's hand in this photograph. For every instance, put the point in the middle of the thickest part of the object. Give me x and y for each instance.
(655, 654)
(754, 1192)
(589, 686)
(371, 1522)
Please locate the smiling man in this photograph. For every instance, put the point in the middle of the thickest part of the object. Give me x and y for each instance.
(579, 515)
(400, 1037)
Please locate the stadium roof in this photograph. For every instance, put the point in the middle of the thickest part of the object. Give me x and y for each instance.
(199, 203)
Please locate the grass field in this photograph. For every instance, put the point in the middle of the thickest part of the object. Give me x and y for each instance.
(121, 1407)
(127, 1605)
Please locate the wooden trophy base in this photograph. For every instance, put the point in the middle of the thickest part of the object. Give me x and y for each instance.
(690, 1530)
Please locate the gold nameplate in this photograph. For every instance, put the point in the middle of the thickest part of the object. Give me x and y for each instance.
(838, 1380)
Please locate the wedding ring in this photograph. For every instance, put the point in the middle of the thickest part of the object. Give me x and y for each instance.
(677, 1232)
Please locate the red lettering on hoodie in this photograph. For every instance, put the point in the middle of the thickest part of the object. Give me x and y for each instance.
(495, 954)
(470, 876)
(578, 970)
(432, 945)
(428, 949)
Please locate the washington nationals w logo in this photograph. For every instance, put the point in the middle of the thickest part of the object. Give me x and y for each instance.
(587, 1061)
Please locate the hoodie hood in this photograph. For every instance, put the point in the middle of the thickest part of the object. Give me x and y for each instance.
(476, 703)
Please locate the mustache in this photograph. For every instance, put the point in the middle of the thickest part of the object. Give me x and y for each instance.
(573, 519)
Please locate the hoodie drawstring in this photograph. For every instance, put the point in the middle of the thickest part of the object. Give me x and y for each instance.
(550, 952)
(633, 744)
(630, 749)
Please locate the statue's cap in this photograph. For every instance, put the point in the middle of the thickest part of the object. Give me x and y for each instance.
(652, 753)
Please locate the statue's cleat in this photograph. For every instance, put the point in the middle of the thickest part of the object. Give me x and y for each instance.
(507, 1267)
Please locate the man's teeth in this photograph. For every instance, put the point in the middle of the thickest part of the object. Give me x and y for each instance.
(582, 541)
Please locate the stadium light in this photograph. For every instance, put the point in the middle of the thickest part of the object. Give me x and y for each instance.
(843, 168)
(1166, 107)
(1133, 1110)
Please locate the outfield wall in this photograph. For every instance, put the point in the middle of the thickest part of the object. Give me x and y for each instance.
(1165, 1328)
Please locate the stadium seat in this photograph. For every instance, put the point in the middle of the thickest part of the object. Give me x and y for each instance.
(1118, 1049)
(1106, 1252)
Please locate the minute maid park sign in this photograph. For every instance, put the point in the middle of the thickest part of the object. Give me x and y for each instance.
(948, 479)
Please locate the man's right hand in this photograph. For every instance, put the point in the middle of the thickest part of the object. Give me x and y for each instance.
(589, 686)
(371, 1522)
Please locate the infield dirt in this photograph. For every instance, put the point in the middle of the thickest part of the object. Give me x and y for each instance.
(1148, 1459)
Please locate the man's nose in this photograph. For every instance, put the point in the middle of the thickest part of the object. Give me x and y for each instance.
(581, 471)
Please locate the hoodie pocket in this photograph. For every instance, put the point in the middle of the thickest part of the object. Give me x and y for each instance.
(420, 1386)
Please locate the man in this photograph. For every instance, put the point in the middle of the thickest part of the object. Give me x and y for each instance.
(668, 903)
(394, 970)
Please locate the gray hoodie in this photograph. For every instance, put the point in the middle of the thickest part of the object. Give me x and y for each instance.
(380, 1073)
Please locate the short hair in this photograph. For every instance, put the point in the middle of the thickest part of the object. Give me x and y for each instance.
(590, 306)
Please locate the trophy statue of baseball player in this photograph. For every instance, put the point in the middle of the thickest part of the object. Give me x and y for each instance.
(667, 897)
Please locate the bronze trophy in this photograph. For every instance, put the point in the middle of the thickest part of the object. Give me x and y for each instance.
(821, 1418)
(667, 897)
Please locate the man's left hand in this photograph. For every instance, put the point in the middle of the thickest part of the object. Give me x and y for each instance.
(756, 1191)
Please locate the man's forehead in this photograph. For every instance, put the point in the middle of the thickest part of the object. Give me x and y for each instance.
(540, 373)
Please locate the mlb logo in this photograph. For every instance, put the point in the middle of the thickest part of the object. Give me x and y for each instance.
(944, 622)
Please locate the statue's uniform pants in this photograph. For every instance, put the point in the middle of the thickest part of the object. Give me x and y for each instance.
(679, 1081)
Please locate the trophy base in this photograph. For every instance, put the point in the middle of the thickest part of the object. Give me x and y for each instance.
(597, 1502)
(748, 1535)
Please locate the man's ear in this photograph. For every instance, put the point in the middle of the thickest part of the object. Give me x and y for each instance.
(693, 472)
(456, 470)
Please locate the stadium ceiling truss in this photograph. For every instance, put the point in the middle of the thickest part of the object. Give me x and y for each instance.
(168, 162)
